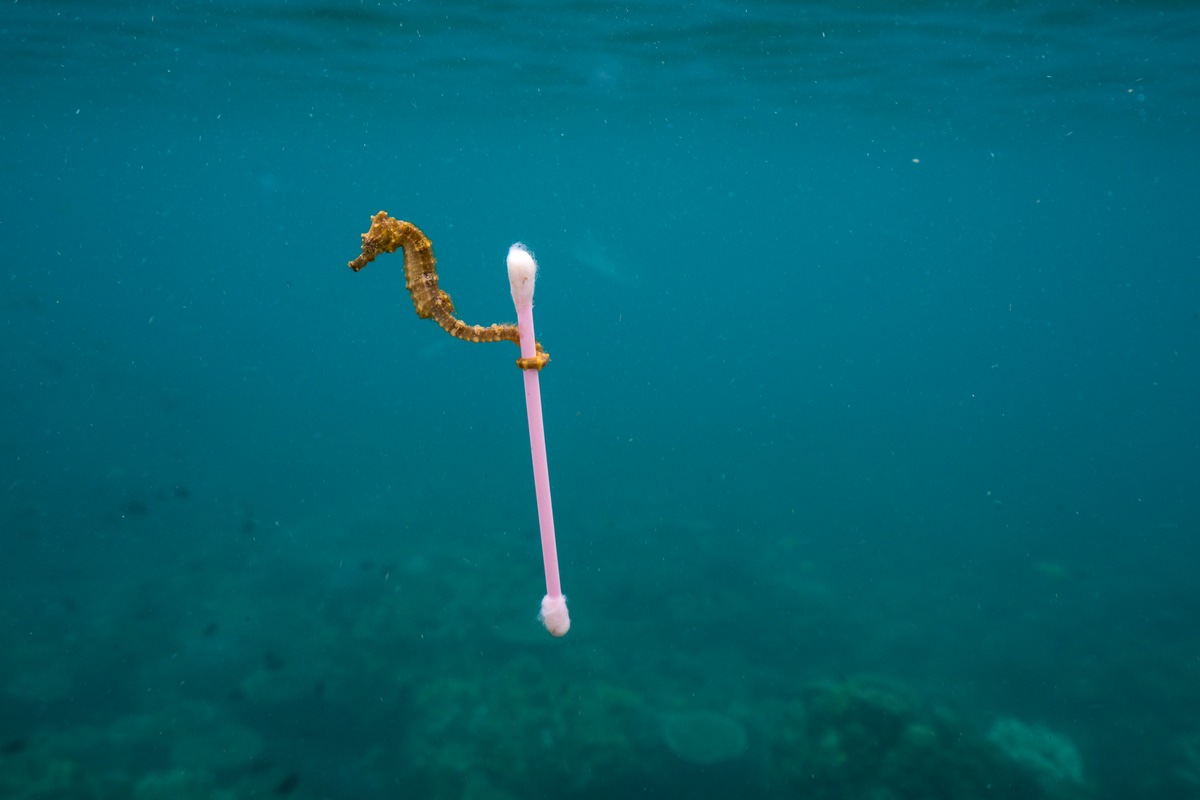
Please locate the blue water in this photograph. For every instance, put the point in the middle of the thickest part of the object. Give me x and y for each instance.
(871, 413)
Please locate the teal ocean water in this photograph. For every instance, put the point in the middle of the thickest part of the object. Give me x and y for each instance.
(871, 409)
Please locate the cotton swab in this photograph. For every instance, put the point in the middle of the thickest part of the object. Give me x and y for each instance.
(522, 274)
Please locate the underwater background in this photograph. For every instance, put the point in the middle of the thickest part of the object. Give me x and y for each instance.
(871, 414)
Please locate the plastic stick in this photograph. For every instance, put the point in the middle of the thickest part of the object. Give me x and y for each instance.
(522, 273)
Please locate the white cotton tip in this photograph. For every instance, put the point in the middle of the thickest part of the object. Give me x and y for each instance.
(522, 272)
(554, 615)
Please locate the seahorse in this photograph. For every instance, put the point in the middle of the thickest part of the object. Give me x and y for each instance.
(387, 235)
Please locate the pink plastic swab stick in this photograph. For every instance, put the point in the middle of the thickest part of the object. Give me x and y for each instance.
(522, 272)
